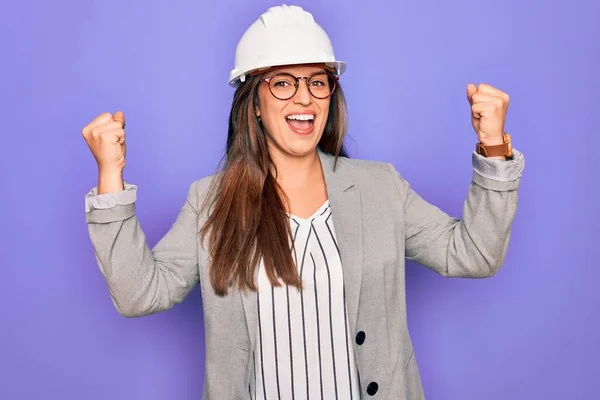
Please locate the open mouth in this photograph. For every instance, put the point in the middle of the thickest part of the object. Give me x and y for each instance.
(300, 122)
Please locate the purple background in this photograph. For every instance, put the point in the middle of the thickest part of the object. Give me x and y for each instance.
(531, 332)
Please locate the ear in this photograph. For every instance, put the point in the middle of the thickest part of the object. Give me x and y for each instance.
(256, 104)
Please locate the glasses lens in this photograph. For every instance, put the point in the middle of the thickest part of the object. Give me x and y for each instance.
(283, 86)
(321, 85)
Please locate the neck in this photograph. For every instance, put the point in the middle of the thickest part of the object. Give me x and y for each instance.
(296, 172)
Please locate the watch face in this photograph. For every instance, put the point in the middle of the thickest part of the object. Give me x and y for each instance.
(508, 142)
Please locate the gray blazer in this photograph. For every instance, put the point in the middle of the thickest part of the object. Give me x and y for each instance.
(379, 220)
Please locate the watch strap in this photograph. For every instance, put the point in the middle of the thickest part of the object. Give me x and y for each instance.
(503, 149)
(492, 151)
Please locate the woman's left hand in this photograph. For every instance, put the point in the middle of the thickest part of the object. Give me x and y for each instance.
(488, 112)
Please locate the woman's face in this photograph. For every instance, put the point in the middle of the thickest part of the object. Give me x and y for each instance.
(294, 126)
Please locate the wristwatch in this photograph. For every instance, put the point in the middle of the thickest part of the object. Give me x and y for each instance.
(504, 149)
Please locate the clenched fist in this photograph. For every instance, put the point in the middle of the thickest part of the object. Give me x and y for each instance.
(105, 136)
(488, 112)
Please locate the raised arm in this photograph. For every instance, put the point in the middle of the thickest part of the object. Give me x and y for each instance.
(141, 280)
(474, 246)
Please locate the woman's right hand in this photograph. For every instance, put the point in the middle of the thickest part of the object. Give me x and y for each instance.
(105, 136)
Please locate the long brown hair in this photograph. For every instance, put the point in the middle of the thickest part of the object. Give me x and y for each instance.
(247, 218)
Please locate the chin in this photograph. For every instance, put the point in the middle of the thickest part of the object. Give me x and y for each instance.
(298, 146)
(302, 147)
(298, 149)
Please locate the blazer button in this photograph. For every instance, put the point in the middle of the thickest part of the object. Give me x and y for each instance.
(372, 388)
(360, 338)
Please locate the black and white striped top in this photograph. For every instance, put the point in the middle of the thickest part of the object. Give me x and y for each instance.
(303, 348)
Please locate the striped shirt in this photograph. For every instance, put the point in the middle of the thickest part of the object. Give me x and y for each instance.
(304, 349)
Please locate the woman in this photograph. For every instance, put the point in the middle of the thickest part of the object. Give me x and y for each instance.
(299, 250)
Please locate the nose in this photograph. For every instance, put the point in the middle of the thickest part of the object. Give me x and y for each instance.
(303, 95)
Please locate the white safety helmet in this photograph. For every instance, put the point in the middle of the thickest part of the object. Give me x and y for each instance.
(283, 35)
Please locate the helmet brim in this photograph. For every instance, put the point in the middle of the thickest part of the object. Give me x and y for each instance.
(336, 67)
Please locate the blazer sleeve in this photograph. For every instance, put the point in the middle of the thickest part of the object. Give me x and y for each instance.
(476, 245)
(141, 280)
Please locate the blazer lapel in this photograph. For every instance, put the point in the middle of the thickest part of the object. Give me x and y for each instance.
(346, 212)
(345, 202)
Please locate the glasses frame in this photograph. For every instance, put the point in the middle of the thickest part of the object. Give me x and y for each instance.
(333, 77)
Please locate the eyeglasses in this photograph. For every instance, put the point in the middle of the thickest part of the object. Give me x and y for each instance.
(284, 86)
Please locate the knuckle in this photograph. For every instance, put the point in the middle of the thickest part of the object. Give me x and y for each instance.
(96, 133)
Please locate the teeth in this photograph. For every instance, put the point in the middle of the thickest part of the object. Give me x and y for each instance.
(302, 117)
